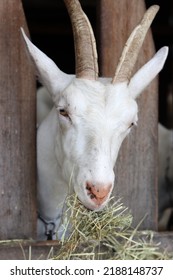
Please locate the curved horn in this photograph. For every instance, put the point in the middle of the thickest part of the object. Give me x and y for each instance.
(85, 45)
(132, 47)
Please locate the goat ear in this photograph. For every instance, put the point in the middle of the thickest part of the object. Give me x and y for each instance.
(48, 73)
(147, 73)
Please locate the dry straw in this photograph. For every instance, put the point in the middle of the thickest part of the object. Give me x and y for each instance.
(107, 234)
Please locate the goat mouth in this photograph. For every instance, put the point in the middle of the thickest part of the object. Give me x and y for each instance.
(91, 204)
(95, 203)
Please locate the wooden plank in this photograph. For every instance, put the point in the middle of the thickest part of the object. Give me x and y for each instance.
(17, 128)
(25, 250)
(136, 168)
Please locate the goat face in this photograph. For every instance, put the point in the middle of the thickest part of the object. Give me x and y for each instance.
(93, 120)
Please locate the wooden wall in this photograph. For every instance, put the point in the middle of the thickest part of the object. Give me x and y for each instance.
(17, 128)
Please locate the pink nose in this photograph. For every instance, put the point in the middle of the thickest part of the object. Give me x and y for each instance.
(98, 192)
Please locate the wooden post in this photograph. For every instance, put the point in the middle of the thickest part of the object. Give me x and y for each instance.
(136, 168)
(17, 128)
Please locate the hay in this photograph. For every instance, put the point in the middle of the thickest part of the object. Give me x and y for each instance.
(104, 235)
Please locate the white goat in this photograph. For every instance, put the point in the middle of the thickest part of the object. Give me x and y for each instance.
(79, 140)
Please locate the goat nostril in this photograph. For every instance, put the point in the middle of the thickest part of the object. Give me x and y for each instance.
(88, 188)
(92, 196)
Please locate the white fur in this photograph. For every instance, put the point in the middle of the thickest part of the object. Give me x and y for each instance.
(83, 147)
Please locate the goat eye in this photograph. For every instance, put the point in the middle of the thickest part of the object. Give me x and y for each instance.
(63, 113)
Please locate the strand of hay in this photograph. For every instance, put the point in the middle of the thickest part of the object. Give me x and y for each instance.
(89, 235)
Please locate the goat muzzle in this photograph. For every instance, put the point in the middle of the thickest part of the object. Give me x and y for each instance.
(98, 193)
